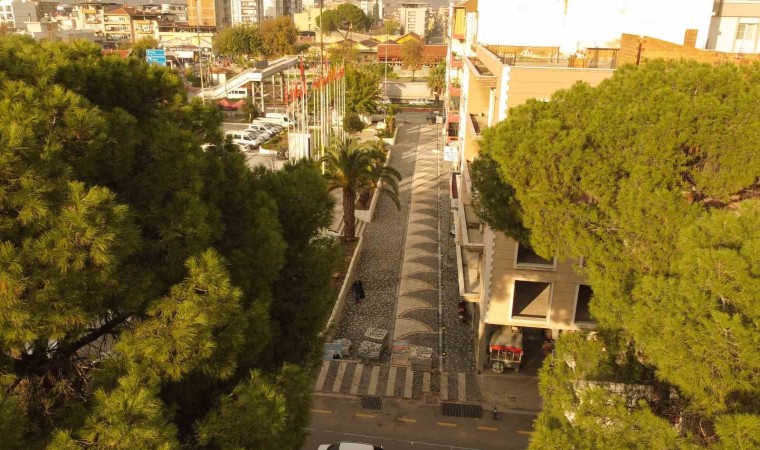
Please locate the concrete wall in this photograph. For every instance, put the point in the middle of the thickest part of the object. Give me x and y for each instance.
(588, 22)
(541, 82)
(563, 279)
(634, 48)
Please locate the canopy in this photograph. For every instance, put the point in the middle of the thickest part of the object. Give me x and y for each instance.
(504, 339)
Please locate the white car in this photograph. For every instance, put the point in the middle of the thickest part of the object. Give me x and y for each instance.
(420, 102)
(260, 130)
(272, 128)
(350, 446)
(245, 139)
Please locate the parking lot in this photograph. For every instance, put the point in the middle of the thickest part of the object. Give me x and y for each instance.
(255, 158)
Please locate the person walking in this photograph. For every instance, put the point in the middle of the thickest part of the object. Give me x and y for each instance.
(358, 290)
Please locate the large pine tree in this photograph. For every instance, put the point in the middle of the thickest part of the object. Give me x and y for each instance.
(654, 177)
(141, 277)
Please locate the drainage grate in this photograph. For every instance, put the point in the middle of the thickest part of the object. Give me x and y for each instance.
(372, 402)
(462, 410)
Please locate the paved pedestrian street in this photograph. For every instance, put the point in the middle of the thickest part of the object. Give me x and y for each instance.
(405, 280)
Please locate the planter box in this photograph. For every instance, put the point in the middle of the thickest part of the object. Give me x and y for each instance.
(391, 140)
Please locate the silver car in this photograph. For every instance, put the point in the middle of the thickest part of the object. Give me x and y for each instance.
(350, 446)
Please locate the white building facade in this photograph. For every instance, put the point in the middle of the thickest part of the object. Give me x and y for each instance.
(734, 26)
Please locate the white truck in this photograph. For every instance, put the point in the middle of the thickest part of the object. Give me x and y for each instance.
(278, 119)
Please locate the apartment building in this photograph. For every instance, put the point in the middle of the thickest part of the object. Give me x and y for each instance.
(414, 17)
(128, 25)
(734, 26)
(91, 16)
(245, 12)
(501, 53)
(16, 13)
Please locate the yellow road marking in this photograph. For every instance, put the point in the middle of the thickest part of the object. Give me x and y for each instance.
(404, 419)
(523, 432)
(488, 429)
(447, 424)
(321, 411)
(371, 416)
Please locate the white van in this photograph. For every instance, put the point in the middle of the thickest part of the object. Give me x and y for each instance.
(278, 118)
(245, 139)
(237, 94)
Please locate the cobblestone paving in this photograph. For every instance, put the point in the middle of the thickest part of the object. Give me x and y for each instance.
(400, 272)
(380, 261)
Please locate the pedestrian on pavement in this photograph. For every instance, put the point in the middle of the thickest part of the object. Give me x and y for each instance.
(358, 290)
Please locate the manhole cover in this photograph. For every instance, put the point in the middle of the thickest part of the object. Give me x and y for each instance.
(431, 399)
(372, 402)
(462, 410)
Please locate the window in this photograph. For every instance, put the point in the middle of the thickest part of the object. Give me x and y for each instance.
(746, 31)
(526, 257)
(530, 300)
(581, 304)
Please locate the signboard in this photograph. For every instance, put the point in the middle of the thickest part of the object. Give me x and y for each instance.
(155, 56)
(450, 153)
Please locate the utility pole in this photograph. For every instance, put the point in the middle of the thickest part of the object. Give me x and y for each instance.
(200, 51)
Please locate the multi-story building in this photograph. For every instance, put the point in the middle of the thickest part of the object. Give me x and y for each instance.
(502, 53)
(414, 17)
(245, 11)
(734, 26)
(172, 11)
(209, 13)
(127, 26)
(91, 16)
(16, 13)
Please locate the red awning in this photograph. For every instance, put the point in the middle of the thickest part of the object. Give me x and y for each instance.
(506, 348)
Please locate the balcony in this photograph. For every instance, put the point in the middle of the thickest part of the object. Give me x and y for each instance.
(458, 24)
(452, 117)
(455, 90)
(456, 63)
(452, 132)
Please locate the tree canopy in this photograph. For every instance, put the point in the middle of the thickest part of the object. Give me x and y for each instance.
(346, 16)
(653, 177)
(362, 89)
(147, 284)
(411, 55)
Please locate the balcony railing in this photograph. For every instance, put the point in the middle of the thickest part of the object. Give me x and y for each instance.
(455, 91)
(456, 63)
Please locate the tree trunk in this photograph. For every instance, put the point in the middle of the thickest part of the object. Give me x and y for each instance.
(349, 222)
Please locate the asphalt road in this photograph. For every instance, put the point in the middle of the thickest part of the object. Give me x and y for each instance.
(412, 425)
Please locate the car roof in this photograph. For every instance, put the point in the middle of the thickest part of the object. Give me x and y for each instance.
(356, 446)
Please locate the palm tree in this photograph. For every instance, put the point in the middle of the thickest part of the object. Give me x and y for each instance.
(436, 80)
(390, 176)
(350, 168)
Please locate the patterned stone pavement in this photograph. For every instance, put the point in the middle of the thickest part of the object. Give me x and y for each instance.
(400, 271)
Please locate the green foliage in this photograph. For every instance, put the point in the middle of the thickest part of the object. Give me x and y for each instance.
(241, 40)
(139, 48)
(346, 16)
(436, 79)
(139, 272)
(303, 295)
(362, 89)
(411, 55)
(391, 26)
(494, 199)
(353, 123)
(130, 416)
(652, 176)
(279, 37)
(349, 168)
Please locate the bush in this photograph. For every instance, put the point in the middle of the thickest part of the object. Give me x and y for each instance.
(353, 123)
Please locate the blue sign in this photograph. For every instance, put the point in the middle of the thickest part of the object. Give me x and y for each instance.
(155, 56)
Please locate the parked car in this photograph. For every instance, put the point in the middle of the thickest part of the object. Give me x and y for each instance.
(350, 446)
(421, 102)
(260, 129)
(245, 139)
(271, 127)
(432, 116)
